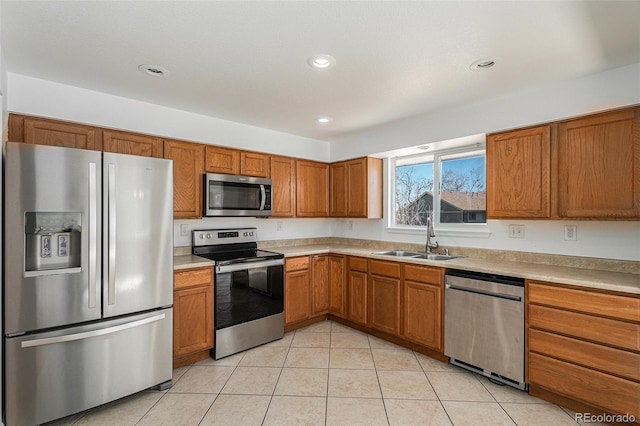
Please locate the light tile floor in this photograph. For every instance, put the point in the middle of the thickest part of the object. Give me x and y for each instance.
(327, 374)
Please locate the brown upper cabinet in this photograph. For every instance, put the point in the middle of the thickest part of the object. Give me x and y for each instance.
(255, 164)
(599, 166)
(518, 174)
(132, 143)
(356, 188)
(188, 168)
(313, 189)
(283, 176)
(222, 160)
(583, 168)
(42, 131)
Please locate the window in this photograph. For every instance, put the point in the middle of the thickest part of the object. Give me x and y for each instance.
(451, 184)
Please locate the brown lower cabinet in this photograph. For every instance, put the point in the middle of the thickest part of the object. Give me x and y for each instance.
(337, 293)
(384, 296)
(319, 284)
(357, 290)
(297, 281)
(192, 315)
(423, 305)
(584, 346)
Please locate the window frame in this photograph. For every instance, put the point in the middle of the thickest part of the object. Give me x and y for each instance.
(479, 230)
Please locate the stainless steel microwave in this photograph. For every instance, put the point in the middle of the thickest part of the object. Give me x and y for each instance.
(229, 195)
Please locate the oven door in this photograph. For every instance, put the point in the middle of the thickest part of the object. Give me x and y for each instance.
(248, 291)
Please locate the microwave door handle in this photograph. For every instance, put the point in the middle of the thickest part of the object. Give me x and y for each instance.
(263, 197)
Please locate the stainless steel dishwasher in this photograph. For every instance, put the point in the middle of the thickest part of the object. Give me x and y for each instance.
(484, 325)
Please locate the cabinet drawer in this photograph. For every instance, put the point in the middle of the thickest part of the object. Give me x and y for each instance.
(358, 264)
(192, 278)
(614, 361)
(610, 305)
(423, 274)
(582, 384)
(389, 269)
(297, 263)
(602, 330)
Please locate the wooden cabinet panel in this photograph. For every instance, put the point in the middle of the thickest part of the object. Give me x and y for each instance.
(599, 166)
(255, 164)
(283, 176)
(388, 269)
(297, 263)
(357, 299)
(423, 274)
(312, 189)
(591, 355)
(188, 169)
(320, 284)
(192, 311)
(612, 332)
(338, 189)
(423, 314)
(358, 264)
(585, 385)
(297, 296)
(518, 174)
(364, 188)
(42, 131)
(337, 290)
(132, 143)
(222, 160)
(384, 306)
(588, 301)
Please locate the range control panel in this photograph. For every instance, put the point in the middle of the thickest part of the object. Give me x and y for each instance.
(209, 237)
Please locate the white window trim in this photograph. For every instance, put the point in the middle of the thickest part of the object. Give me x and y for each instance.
(471, 230)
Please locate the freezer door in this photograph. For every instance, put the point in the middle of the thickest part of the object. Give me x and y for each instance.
(137, 233)
(52, 236)
(55, 374)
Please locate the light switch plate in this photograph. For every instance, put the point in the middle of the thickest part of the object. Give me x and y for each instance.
(570, 233)
(184, 230)
(516, 231)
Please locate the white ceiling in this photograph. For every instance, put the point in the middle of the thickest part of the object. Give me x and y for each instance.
(247, 61)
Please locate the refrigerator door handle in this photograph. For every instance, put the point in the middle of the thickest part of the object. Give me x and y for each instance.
(93, 230)
(111, 272)
(90, 334)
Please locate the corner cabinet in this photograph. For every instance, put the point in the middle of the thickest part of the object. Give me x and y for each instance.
(192, 315)
(356, 188)
(312, 189)
(599, 166)
(519, 174)
(188, 169)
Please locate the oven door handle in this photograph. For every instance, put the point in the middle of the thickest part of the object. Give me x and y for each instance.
(221, 269)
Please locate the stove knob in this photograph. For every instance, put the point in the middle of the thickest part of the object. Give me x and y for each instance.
(208, 236)
(245, 234)
(201, 236)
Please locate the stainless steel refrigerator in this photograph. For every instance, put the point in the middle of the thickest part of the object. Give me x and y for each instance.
(88, 287)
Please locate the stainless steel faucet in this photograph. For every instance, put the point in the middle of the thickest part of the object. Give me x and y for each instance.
(430, 234)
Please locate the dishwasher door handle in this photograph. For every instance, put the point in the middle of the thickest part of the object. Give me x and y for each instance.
(484, 293)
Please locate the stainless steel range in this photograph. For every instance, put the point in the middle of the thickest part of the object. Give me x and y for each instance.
(249, 289)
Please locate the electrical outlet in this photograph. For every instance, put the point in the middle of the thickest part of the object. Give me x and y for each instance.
(279, 226)
(516, 231)
(184, 230)
(350, 225)
(570, 233)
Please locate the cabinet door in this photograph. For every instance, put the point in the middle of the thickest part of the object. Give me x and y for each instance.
(422, 314)
(283, 176)
(222, 160)
(337, 295)
(320, 284)
(56, 133)
(133, 144)
(188, 168)
(255, 164)
(518, 174)
(296, 296)
(385, 304)
(338, 189)
(192, 320)
(599, 166)
(357, 287)
(313, 189)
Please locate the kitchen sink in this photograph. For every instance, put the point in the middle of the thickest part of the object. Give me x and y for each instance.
(416, 255)
(398, 253)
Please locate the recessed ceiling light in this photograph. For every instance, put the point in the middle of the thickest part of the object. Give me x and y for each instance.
(482, 64)
(154, 70)
(321, 61)
(424, 147)
(324, 119)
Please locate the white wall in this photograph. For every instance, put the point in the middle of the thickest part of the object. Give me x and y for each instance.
(49, 99)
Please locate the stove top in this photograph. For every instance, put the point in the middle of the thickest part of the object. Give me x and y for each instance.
(226, 246)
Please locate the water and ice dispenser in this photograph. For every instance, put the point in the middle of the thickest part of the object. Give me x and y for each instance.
(52, 243)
